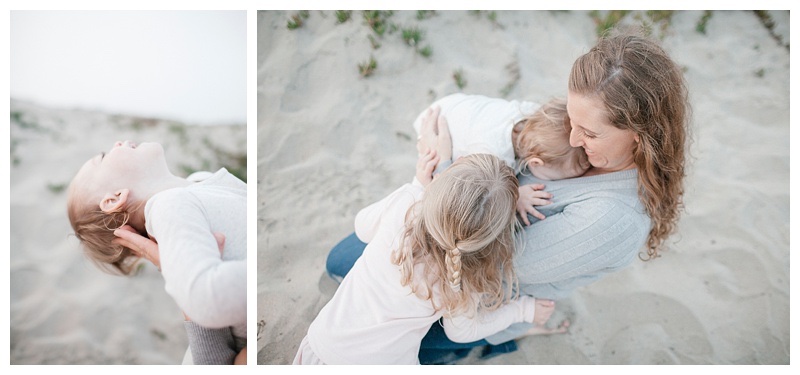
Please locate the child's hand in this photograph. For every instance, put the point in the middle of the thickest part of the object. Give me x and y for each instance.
(435, 135)
(544, 308)
(146, 248)
(142, 246)
(529, 196)
(425, 166)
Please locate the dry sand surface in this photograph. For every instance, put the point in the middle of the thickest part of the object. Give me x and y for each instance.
(330, 142)
(63, 309)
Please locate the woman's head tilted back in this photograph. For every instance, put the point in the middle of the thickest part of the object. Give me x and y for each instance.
(106, 193)
(464, 229)
(642, 92)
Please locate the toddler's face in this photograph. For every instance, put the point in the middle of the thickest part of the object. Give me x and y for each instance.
(125, 165)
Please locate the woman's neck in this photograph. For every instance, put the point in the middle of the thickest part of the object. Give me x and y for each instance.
(137, 218)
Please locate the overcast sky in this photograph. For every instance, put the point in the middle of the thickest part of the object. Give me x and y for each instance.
(188, 66)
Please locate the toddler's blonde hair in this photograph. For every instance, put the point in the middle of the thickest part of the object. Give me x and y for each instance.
(95, 230)
(464, 231)
(545, 135)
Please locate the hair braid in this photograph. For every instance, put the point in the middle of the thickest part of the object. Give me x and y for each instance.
(453, 264)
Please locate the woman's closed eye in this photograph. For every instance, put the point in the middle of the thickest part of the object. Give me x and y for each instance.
(587, 134)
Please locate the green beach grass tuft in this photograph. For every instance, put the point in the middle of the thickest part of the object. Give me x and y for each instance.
(25, 123)
(607, 21)
(378, 20)
(373, 41)
(412, 36)
(426, 51)
(297, 20)
(490, 15)
(769, 23)
(56, 188)
(367, 68)
(458, 76)
(514, 76)
(701, 24)
(343, 16)
(425, 14)
(651, 19)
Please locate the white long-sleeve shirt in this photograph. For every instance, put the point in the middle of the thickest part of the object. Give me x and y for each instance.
(372, 318)
(210, 289)
(480, 124)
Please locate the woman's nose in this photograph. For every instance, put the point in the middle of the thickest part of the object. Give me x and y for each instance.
(574, 139)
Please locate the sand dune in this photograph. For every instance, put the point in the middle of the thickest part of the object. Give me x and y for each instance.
(63, 309)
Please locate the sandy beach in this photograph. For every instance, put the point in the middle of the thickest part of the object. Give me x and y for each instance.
(63, 310)
(333, 139)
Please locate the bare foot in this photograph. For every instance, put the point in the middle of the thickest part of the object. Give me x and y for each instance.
(542, 330)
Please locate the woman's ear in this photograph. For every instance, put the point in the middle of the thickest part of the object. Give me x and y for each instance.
(115, 202)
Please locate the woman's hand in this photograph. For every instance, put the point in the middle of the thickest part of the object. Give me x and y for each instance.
(529, 196)
(435, 135)
(425, 166)
(145, 247)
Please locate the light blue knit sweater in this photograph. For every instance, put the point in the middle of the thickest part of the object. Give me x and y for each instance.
(595, 226)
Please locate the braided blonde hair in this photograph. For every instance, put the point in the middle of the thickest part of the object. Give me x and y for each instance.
(464, 232)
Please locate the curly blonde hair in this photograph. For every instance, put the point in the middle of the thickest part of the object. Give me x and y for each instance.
(464, 232)
(545, 135)
(644, 91)
(94, 228)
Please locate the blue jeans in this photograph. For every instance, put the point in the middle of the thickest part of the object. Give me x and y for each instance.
(436, 348)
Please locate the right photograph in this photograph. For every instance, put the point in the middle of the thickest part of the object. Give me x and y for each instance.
(523, 187)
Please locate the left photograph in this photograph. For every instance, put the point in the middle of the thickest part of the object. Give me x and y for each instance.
(128, 187)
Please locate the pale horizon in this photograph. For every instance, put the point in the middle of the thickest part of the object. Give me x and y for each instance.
(187, 66)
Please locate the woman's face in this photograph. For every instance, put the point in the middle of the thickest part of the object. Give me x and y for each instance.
(608, 148)
(125, 165)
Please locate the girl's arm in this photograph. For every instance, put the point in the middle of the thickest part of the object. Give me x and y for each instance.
(473, 327)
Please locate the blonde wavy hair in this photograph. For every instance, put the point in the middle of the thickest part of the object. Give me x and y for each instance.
(464, 233)
(643, 91)
(95, 231)
(545, 135)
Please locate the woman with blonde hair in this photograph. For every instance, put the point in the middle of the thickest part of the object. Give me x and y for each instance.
(629, 111)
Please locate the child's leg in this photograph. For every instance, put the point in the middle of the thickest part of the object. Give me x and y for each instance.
(343, 256)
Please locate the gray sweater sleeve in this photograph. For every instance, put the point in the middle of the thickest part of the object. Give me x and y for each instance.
(210, 346)
(578, 246)
(597, 228)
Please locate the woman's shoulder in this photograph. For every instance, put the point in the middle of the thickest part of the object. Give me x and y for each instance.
(620, 183)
